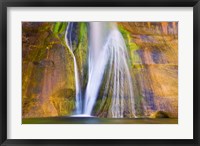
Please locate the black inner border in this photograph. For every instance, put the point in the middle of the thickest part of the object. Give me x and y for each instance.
(4, 4)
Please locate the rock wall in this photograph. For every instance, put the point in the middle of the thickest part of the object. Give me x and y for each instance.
(155, 71)
(48, 73)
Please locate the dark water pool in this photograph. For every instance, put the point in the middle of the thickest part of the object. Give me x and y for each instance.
(94, 120)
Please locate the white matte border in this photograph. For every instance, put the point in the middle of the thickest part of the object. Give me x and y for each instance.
(183, 130)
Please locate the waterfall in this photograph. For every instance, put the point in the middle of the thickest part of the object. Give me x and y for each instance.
(120, 82)
(107, 56)
(69, 43)
(107, 51)
(97, 61)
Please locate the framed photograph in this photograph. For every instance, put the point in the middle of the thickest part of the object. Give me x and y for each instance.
(99, 72)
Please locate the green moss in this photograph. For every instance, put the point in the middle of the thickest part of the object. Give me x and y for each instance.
(82, 31)
(132, 47)
(59, 27)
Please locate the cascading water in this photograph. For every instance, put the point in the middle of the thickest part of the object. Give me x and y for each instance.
(119, 80)
(98, 59)
(107, 55)
(69, 42)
